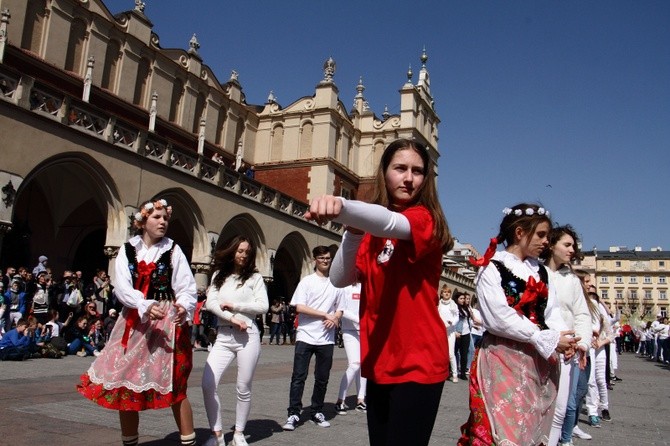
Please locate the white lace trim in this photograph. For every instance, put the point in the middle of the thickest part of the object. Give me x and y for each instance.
(123, 383)
(545, 342)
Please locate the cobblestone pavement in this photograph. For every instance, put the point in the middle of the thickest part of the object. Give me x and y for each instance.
(39, 406)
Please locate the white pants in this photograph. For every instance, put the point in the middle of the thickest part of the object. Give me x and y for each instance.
(230, 344)
(596, 398)
(451, 339)
(561, 400)
(352, 346)
(614, 359)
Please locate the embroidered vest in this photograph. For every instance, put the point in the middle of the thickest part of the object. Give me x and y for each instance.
(514, 287)
(160, 287)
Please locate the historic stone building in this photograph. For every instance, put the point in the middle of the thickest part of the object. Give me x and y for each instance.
(96, 116)
(633, 281)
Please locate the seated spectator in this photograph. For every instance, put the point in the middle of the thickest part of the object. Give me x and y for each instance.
(110, 321)
(91, 312)
(56, 329)
(15, 345)
(16, 304)
(97, 334)
(78, 340)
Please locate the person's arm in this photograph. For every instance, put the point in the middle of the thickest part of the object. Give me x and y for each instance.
(582, 317)
(259, 303)
(213, 304)
(183, 285)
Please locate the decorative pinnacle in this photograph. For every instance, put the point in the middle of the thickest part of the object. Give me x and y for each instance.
(360, 88)
(424, 57)
(193, 44)
(409, 73)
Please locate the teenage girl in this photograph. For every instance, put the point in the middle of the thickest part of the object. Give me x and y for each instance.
(236, 296)
(395, 246)
(524, 331)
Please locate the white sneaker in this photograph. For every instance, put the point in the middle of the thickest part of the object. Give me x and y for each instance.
(454, 379)
(96, 353)
(579, 433)
(239, 439)
(320, 420)
(215, 441)
(566, 444)
(291, 422)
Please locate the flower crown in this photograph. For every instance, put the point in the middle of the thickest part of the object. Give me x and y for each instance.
(528, 211)
(149, 207)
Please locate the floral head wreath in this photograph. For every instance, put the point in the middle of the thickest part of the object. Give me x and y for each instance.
(527, 211)
(148, 208)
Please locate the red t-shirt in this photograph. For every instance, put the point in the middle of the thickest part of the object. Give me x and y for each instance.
(403, 338)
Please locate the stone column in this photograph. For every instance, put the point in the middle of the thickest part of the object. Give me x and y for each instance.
(201, 272)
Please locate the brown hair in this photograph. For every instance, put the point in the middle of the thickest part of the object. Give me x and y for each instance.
(224, 261)
(426, 195)
(518, 217)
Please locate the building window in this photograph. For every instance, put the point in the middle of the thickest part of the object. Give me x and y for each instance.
(633, 294)
(647, 294)
(604, 279)
(661, 279)
(345, 193)
(664, 311)
(619, 279)
(661, 263)
(647, 279)
(633, 279)
(603, 294)
(619, 294)
(617, 264)
(662, 294)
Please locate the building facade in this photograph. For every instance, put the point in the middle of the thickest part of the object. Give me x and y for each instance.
(96, 116)
(633, 281)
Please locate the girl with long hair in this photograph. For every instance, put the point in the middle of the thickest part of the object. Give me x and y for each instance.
(236, 296)
(148, 358)
(463, 329)
(394, 246)
(557, 257)
(524, 333)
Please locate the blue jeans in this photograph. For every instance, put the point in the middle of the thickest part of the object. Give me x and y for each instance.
(571, 420)
(275, 330)
(77, 344)
(301, 358)
(571, 413)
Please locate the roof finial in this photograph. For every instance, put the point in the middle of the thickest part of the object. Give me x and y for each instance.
(139, 6)
(271, 98)
(424, 57)
(386, 113)
(193, 44)
(329, 70)
(360, 88)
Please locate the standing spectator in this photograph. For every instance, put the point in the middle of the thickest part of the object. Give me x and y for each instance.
(276, 322)
(395, 248)
(41, 299)
(449, 313)
(236, 295)
(319, 306)
(102, 291)
(3, 308)
(598, 397)
(198, 338)
(137, 372)
(41, 266)
(287, 322)
(10, 271)
(351, 337)
(463, 328)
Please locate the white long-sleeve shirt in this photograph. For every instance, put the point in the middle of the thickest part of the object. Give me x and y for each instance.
(448, 313)
(352, 304)
(574, 310)
(183, 283)
(502, 320)
(249, 299)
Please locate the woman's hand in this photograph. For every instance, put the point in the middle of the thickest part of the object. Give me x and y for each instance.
(566, 343)
(240, 325)
(180, 316)
(323, 209)
(156, 312)
(583, 356)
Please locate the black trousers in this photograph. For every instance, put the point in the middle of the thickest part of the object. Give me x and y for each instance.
(324, 361)
(402, 414)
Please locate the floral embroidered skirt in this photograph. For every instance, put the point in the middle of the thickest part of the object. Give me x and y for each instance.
(150, 373)
(512, 395)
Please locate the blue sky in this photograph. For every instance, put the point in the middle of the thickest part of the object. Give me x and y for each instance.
(571, 94)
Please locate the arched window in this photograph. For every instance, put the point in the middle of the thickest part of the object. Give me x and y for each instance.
(220, 126)
(75, 46)
(175, 102)
(141, 82)
(34, 26)
(306, 138)
(199, 112)
(276, 152)
(110, 68)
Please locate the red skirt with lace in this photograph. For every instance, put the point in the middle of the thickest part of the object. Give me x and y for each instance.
(122, 398)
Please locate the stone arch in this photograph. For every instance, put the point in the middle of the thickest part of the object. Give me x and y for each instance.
(67, 208)
(292, 261)
(277, 143)
(76, 46)
(246, 225)
(306, 139)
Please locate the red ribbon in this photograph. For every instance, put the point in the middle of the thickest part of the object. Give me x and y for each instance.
(534, 289)
(486, 258)
(142, 283)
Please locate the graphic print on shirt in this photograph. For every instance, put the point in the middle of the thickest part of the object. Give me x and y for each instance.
(386, 253)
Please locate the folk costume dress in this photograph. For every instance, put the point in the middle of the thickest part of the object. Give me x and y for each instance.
(146, 363)
(514, 376)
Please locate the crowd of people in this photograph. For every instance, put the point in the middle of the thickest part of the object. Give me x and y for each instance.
(534, 323)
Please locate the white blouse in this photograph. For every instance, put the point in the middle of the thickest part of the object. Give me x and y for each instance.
(248, 299)
(504, 321)
(183, 283)
(574, 310)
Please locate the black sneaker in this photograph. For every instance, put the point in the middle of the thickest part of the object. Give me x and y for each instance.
(606, 415)
(362, 407)
(341, 408)
(616, 378)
